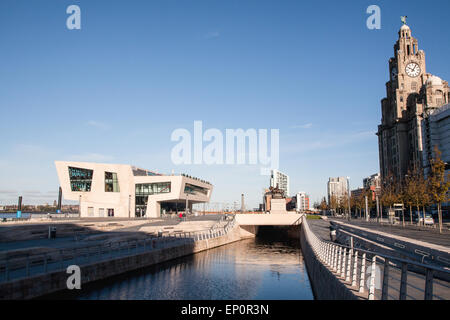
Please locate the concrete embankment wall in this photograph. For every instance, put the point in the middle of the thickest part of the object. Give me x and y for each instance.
(325, 285)
(37, 286)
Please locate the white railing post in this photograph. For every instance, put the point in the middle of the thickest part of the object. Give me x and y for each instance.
(344, 255)
(339, 261)
(349, 264)
(355, 270)
(363, 273)
(328, 254)
(335, 258)
(372, 279)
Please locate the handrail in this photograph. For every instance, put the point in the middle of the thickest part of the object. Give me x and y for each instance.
(338, 258)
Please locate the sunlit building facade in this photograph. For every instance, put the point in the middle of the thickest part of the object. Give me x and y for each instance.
(116, 190)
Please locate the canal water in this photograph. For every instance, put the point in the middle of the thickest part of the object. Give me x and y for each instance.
(261, 268)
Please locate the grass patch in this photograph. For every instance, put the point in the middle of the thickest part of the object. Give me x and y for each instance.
(313, 217)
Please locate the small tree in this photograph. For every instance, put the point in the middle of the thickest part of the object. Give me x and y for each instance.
(370, 203)
(408, 191)
(333, 203)
(438, 183)
(389, 191)
(323, 204)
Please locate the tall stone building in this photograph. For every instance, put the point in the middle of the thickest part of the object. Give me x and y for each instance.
(337, 187)
(409, 92)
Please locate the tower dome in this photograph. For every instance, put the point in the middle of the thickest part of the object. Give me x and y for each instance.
(405, 27)
(434, 81)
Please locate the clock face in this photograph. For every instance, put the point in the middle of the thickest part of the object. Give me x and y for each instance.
(412, 69)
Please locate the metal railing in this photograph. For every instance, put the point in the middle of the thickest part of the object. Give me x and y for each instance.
(350, 264)
(14, 268)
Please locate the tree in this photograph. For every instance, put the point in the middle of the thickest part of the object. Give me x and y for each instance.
(333, 203)
(389, 191)
(370, 203)
(408, 191)
(323, 205)
(418, 189)
(438, 183)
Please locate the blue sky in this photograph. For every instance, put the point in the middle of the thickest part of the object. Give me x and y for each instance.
(137, 70)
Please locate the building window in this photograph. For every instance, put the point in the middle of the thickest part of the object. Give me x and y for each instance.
(80, 179)
(101, 212)
(111, 182)
(90, 211)
(191, 189)
(110, 212)
(143, 190)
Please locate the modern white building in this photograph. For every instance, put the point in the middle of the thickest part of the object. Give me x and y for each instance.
(337, 187)
(281, 180)
(117, 190)
(302, 202)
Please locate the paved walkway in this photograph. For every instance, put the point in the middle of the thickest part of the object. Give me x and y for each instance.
(321, 228)
(148, 226)
(415, 281)
(424, 235)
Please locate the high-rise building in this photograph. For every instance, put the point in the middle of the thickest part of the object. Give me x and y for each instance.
(409, 92)
(281, 180)
(337, 187)
(302, 203)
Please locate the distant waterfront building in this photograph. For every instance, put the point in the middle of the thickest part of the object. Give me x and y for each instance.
(116, 190)
(302, 202)
(280, 180)
(337, 187)
(409, 91)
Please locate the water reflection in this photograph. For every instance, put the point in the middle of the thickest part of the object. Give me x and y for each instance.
(249, 269)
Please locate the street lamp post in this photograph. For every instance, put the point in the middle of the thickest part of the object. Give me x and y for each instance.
(378, 207)
(349, 195)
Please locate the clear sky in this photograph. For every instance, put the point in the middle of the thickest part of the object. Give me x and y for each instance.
(115, 90)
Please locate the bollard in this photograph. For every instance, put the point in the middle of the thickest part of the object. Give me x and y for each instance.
(363, 273)
(372, 279)
(355, 270)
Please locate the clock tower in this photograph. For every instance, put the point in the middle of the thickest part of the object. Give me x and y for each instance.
(409, 91)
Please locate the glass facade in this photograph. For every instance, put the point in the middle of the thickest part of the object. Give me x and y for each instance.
(111, 182)
(80, 179)
(143, 190)
(191, 189)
